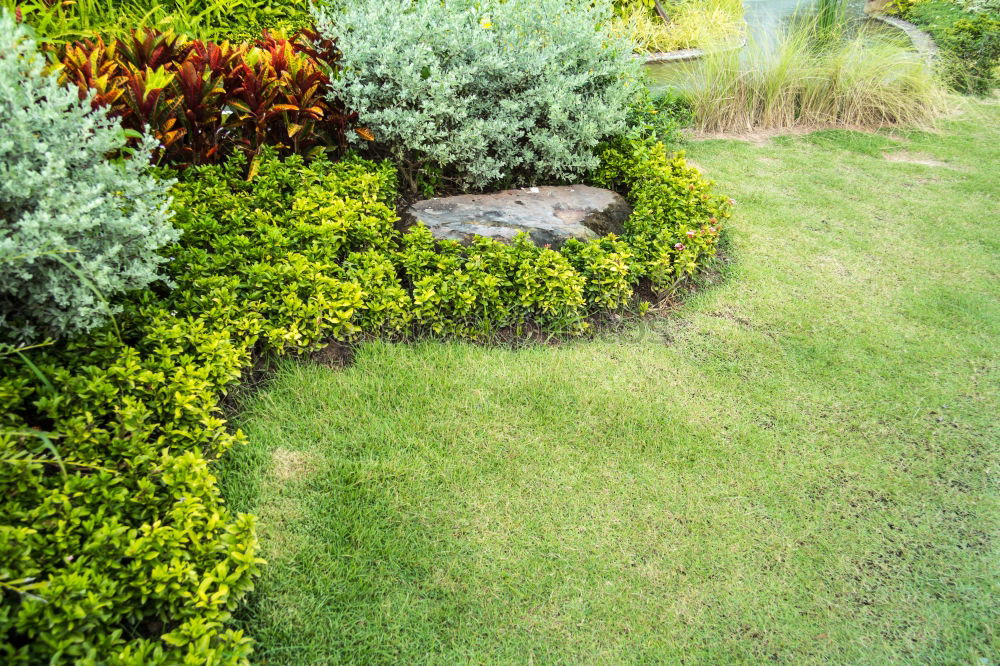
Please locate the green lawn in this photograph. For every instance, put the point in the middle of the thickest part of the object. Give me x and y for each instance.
(799, 465)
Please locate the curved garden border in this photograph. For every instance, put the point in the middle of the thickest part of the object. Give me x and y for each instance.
(682, 54)
(922, 41)
(672, 56)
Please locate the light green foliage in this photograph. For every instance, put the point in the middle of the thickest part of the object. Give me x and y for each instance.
(319, 244)
(975, 42)
(903, 7)
(607, 269)
(621, 6)
(549, 290)
(981, 6)
(483, 93)
(898, 7)
(659, 116)
(692, 23)
(676, 220)
(479, 291)
(76, 228)
(798, 466)
(278, 240)
(216, 20)
(388, 306)
(114, 544)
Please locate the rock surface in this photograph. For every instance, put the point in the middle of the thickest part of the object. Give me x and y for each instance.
(550, 215)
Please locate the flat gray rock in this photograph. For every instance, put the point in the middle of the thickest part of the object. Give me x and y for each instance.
(550, 215)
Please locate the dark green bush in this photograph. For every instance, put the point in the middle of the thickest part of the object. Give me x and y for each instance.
(976, 43)
(115, 546)
(969, 41)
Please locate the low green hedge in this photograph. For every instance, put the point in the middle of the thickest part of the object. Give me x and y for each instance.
(115, 545)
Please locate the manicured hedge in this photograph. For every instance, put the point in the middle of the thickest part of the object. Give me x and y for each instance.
(115, 546)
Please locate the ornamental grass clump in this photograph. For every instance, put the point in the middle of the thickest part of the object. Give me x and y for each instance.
(81, 217)
(815, 74)
(481, 94)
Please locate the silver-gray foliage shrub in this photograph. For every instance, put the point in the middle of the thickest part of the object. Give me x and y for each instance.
(76, 227)
(483, 92)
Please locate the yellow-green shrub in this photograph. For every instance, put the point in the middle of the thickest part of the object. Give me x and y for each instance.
(114, 544)
(693, 24)
(606, 267)
(676, 219)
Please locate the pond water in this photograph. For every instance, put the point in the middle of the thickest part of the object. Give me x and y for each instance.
(764, 20)
(765, 17)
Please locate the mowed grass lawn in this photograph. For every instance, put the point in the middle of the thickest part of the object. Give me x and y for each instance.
(798, 465)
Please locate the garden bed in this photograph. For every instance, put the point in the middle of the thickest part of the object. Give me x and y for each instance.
(264, 237)
(185, 208)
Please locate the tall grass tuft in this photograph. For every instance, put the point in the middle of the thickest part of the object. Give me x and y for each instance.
(814, 73)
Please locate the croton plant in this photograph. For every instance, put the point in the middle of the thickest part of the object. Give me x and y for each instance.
(202, 100)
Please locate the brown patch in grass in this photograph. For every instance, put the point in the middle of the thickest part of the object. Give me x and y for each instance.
(730, 313)
(758, 137)
(914, 158)
(334, 355)
(832, 265)
(282, 513)
(763, 136)
(276, 528)
(290, 465)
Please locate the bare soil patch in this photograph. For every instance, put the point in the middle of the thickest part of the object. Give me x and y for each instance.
(758, 137)
(914, 158)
